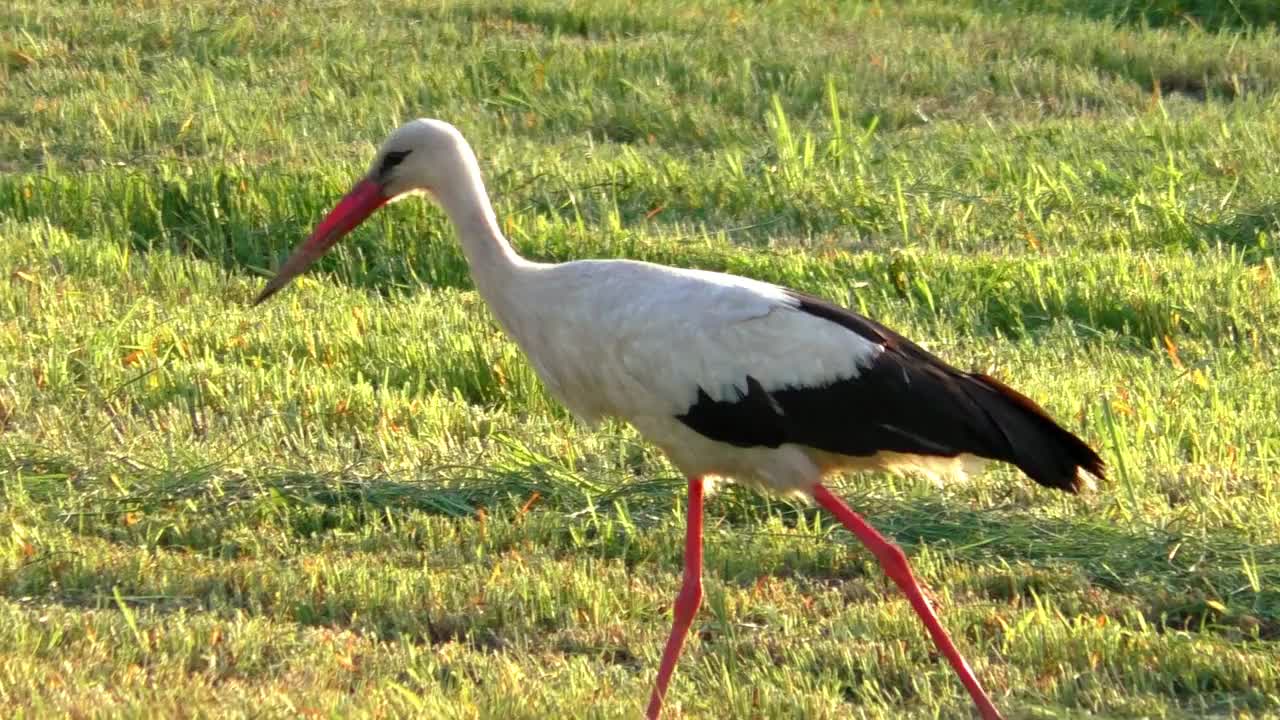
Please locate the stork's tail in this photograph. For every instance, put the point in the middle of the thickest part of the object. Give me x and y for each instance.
(1033, 441)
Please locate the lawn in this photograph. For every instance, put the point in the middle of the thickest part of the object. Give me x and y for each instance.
(358, 501)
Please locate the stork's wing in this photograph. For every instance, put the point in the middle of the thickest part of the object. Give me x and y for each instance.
(709, 336)
(753, 365)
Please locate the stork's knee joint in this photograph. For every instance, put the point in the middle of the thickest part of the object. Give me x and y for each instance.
(689, 598)
(894, 563)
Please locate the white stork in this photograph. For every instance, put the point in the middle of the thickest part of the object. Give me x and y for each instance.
(730, 377)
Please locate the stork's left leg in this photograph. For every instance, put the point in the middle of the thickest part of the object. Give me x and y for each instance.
(687, 602)
(894, 564)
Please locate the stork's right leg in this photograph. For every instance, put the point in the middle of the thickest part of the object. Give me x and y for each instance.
(894, 564)
(687, 602)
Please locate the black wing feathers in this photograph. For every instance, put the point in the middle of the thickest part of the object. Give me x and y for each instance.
(750, 420)
(1037, 444)
(908, 402)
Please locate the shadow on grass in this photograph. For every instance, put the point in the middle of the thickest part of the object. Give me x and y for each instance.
(1211, 15)
(248, 231)
(249, 222)
(580, 22)
(1184, 580)
(1245, 229)
(1180, 579)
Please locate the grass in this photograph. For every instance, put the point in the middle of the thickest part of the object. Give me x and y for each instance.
(358, 500)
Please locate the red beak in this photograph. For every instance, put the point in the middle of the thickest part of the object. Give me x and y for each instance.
(350, 211)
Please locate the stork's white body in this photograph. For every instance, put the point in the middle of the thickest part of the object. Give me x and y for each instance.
(636, 341)
(730, 377)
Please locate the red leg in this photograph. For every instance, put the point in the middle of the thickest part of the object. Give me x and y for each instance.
(894, 564)
(687, 602)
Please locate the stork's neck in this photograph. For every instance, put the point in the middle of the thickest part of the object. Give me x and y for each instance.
(468, 206)
(493, 262)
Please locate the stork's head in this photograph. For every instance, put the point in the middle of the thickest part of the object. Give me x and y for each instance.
(421, 155)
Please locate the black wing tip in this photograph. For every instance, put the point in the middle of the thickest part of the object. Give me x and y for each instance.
(1075, 472)
(1074, 456)
(1095, 465)
(1089, 463)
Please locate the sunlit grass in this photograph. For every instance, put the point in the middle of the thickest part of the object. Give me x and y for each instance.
(358, 500)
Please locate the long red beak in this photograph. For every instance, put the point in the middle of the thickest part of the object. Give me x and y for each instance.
(350, 211)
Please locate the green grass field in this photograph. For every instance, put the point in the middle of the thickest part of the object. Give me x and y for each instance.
(357, 500)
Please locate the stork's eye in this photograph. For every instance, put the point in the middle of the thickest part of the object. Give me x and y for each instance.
(392, 159)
